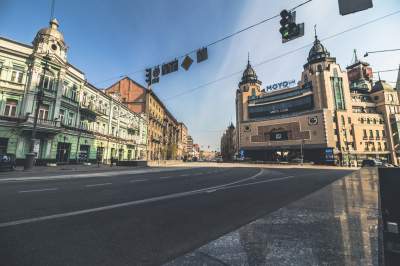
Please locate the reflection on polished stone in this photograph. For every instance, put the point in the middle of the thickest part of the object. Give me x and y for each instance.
(337, 225)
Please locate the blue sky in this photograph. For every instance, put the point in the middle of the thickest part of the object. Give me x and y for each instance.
(111, 38)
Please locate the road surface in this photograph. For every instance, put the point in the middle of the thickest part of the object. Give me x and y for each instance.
(140, 219)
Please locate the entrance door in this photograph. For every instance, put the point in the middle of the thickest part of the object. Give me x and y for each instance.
(63, 151)
(99, 154)
(3, 145)
(84, 151)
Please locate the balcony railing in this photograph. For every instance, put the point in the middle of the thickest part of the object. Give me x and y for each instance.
(11, 118)
(43, 122)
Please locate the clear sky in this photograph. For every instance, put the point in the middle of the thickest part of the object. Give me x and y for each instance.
(110, 38)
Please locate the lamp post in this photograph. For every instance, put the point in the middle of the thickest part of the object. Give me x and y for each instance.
(30, 157)
(301, 151)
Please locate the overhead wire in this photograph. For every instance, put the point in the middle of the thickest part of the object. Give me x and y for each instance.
(209, 44)
(283, 55)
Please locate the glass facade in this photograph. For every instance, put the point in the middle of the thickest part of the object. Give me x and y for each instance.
(295, 105)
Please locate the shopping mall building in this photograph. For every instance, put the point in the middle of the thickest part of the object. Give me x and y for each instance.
(333, 115)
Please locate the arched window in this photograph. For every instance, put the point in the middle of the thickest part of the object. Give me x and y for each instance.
(253, 92)
(305, 78)
(319, 68)
(368, 121)
(342, 119)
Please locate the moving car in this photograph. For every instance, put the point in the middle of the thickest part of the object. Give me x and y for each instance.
(371, 162)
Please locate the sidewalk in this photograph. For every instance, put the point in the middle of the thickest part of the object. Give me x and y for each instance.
(64, 169)
(260, 165)
(337, 225)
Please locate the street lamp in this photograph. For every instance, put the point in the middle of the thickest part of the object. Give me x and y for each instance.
(30, 157)
(381, 51)
(301, 151)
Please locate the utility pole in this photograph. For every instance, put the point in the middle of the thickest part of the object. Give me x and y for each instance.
(301, 152)
(30, 157)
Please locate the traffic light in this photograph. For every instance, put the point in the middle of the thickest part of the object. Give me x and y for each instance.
(148, 76)
(289, 29)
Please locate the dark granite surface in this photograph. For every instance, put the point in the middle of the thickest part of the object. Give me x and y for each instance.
(337, 225)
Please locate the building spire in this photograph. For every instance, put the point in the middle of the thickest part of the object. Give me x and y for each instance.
(53, 3)
(315, 31)
(248, 58)
(355, 56)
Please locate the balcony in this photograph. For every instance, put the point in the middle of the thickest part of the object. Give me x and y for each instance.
(89, 111)
(43, 125)
(8, 119)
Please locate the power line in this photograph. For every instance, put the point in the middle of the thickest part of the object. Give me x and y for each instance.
(212, 43)
(387, 70)
(284, 54)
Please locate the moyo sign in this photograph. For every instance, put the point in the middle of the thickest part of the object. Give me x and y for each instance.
(280, 85)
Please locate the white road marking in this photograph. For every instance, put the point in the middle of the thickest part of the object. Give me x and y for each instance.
(137, 180)
(38, 190)
(97, 185)
(166, 177)
(87, 175)
(120, 205)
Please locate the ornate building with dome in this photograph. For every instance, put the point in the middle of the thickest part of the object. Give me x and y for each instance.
(77, 122)
(333, 116)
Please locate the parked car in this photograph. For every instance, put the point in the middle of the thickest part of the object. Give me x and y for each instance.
(388, 165)
(371, 163)
(7, 162)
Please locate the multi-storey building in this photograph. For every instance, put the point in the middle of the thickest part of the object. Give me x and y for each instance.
(189, 146)
(228, 143)
(163, 128)
(332, 116)
(76, 121)
(182, 142)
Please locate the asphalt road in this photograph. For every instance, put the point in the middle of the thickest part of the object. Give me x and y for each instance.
(142, 219)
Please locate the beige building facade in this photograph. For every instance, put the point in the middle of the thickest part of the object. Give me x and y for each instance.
(163, 128)
(333, 116)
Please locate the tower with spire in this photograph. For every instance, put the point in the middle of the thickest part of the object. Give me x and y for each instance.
(359, 75)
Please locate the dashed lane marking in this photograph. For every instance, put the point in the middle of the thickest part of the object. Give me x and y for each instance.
(137, 180)
(98, 185)
(38, 190)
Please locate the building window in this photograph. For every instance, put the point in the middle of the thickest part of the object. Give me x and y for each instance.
(371, 134)
(383, 134)
(377, 133)
(43, 112)
(70, 118)
(349, 120)
(11, 107)
(73, 93)
(61, 116)
(365, 133)
(337, 89)
(47, 81)
(17, 76)
(342, 118)
(385, 146)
